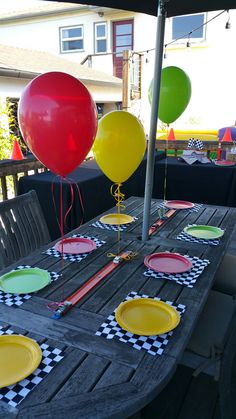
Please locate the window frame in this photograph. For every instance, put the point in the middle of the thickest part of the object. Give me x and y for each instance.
(96, 38)
(62, 51)
(189, 37)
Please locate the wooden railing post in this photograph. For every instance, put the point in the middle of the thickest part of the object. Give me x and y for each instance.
(126, 81)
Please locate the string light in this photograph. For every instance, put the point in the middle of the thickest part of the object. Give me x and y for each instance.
(187, 35)
(147, 60)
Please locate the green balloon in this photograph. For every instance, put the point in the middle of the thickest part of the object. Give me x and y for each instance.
(175, 93)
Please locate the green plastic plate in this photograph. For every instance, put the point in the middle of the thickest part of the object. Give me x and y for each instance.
(204, 232)
(24, 281)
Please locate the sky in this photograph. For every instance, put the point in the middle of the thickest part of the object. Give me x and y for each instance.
(12, 5)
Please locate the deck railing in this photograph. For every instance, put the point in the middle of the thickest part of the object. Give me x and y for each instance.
(180, 145)
(11, 170)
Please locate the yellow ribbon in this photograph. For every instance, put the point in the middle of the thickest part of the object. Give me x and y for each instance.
(127, 256)
(118, 195)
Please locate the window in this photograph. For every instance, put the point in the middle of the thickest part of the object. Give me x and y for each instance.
(72, 38)
(100, 34)
(100, 109)
(183, 25)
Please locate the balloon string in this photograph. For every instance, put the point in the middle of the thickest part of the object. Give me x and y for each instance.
(165, 174)
(62, 231)
(80, 199)
(119, 197)
(70, 182)
(72, 202)
(59, 219)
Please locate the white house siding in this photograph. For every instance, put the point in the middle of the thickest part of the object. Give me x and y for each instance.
(12, 87)
(42, 33)
(210, 64)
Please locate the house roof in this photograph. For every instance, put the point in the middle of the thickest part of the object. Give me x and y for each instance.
(172, 7)
(44, 9)
(23, 62)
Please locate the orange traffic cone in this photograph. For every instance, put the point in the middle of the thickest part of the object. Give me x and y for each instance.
(171, 135)
(16, 151)
(227, 136)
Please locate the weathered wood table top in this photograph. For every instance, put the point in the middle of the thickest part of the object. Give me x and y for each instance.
(101, 378)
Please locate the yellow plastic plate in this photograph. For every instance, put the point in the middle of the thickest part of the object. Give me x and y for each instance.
(146, 316)
(19, 357)
(116, 219)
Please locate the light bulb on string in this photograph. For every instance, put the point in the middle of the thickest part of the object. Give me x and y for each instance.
(165, 53)
(188, 43)
(228, 24)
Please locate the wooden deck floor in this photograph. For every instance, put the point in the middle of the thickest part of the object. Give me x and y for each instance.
(186, 397)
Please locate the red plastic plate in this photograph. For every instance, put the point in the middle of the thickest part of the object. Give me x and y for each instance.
(176, 204)
(169, 263)
(224, 163)
(76, 245)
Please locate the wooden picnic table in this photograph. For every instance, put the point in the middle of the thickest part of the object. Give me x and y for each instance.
(98, 377)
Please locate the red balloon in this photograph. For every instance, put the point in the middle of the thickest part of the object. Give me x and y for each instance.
(58, 120)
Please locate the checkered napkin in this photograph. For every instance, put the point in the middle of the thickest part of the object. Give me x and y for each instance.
(154, 345)
(197, 144)
(186, 278)
(15, 300)
(14, 394)
(71, 257)
(196, 207)
(111, 227)
(186, 237)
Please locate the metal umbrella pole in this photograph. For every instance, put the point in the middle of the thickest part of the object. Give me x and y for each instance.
(154, 116)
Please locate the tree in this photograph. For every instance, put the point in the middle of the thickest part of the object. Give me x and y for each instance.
(7, 124)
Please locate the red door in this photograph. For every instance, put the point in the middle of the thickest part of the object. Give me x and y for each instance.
(122, 40)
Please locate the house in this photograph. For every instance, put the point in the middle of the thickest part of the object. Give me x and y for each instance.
(20, 65)
(97, 37)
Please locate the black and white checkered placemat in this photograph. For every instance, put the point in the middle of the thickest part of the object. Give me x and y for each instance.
(186, 237)
(71, 257)
(111, 227)
(14, 394)
(186, 278)
(16, 300)
(154, 345)
(196, 207)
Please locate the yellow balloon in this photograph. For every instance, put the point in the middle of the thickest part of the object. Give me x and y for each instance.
(119, 145)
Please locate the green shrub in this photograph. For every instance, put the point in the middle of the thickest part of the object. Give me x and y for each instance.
(7, 135)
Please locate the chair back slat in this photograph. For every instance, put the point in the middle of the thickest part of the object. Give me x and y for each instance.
(23, 228)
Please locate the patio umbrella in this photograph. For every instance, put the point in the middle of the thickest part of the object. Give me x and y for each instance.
(161, 9)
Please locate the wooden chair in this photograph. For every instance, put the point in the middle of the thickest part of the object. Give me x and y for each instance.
(23, 228)
(227, 382)
(225, 279)
(212, 347)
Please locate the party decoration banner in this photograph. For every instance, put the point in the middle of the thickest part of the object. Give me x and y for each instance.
(58, 120)
(119, 145)
(175, 93)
